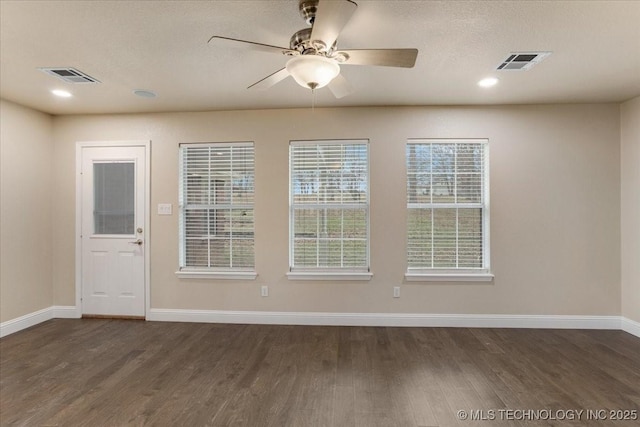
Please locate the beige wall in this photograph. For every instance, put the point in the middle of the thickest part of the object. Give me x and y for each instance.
(26, 148)
(555, 207)
(630, 185)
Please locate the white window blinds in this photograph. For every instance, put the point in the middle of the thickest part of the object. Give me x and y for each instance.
(447, 201)
(216, 206)
(329, 205)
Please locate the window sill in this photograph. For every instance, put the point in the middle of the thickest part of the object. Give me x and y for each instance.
(219, 275)
(448, 277)
(329, 276)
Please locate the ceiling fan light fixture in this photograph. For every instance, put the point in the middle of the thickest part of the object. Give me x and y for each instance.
(312, 71)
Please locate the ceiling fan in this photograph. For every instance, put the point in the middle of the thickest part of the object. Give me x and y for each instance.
(315, 60)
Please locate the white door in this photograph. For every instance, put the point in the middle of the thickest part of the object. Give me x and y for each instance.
(113, 230)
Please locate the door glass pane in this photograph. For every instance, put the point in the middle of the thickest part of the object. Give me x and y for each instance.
(114, 198)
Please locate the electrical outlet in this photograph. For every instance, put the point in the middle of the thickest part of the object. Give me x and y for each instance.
(396, 291)
(264, 291)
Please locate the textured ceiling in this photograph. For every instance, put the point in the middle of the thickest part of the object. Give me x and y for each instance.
(162, 46)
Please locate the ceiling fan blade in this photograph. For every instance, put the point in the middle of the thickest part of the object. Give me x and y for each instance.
(386, 57)
(331, 17)
(270, 80)
(340, 87)
(251, 45)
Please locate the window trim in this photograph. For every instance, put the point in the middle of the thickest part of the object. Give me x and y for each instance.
(191, 273)
(220, 273)
(483, 274)
(419, 276)
(330, 273)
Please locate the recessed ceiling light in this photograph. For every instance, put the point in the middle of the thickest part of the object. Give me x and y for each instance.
(488, 82)
(144, 93)
(61, 93)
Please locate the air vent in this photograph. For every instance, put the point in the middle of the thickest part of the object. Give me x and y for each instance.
(522, 61)
(69, 75)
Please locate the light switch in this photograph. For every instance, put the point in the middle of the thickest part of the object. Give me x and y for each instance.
(164, 208)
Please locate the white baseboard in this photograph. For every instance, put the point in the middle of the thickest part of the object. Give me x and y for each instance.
(346, 319)
(386, 319)
(66, 312)
(26, 321)
(631, 326)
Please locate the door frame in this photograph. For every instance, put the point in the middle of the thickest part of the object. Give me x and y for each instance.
(80, 145)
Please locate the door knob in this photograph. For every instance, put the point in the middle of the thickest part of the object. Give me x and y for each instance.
(137, 242)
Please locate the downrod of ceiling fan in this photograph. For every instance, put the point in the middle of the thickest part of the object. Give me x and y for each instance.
(308, 9)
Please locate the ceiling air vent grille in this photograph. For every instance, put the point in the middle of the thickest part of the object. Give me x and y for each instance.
(522, 61)
(69, 75)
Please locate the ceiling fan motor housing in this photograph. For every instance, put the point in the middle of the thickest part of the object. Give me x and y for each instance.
(301, 41)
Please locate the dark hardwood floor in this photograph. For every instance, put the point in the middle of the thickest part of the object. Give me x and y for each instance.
(99, 372)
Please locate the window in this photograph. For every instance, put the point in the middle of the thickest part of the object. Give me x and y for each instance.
(329, 209)
(114, 198)
(216, 210)
(448, 209)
